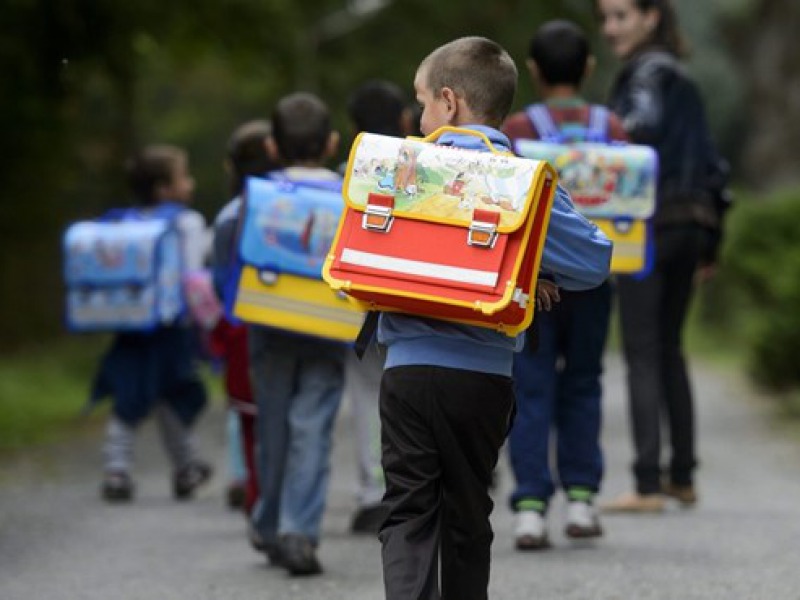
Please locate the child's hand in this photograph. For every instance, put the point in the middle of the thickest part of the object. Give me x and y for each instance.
(546, 294)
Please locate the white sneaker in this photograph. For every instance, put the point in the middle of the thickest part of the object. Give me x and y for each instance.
(582, 520)
(531, 530)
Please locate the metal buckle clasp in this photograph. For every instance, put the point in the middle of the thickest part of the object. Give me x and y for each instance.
(378, 213)
(377, 218)
(483, 229)
(482, 234)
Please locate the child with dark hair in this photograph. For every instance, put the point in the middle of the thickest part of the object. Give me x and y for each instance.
(246, 156)
(155, 371)
(297, 380)
(447, 398)
(558, 382)
(379, 106)
(376, 106)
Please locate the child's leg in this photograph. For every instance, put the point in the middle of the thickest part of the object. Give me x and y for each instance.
(236, 466)
(248, 429)
(410, 456)
(118, 446)
(117, 484)
(362, 389)
(474, 418)
(578, 412)
(273, 368)
(176, 437)
(535, 382)
(442, 431)
(312, 413)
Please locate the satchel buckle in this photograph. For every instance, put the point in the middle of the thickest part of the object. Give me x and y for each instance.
(378, 213)
(483, 229)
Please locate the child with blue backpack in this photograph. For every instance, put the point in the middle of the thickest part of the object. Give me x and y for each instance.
(154, 371)
(557, 381)
(297, 379)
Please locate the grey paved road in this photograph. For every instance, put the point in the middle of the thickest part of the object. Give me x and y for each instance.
(58, 541)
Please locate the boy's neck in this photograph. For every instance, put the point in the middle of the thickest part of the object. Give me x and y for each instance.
(558, 92)
(306, 164)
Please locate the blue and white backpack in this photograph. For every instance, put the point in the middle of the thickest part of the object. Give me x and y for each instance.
(611, 183)
(124, 270)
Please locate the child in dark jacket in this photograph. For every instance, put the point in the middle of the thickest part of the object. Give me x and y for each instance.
(447, 398)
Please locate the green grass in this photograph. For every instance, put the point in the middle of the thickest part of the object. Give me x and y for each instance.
(44, 387)
(42, 390)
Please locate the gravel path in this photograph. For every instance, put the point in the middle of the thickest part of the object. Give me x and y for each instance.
(58, 541)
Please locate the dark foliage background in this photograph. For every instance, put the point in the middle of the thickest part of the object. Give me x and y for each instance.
(86, 81)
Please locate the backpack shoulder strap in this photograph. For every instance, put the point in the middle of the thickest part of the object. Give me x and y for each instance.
(598, 124)
(542, 122)
(168, 210)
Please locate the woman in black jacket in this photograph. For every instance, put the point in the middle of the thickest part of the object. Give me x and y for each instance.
(661, 107)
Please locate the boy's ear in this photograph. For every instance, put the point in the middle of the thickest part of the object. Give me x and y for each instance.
(450, 101)
(333, 144)
(272, 149)
(591, 63)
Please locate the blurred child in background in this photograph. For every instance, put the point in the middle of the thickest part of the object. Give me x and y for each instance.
(154, 371)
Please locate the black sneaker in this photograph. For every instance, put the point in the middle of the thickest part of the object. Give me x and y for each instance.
(272, 550)
(298, 555)
(117, 487)
(189, 478)
(235, 495)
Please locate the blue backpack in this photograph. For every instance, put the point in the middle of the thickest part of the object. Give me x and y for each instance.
(124, 270)
(285, 232)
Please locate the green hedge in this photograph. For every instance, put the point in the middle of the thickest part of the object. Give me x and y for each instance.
(761, 279)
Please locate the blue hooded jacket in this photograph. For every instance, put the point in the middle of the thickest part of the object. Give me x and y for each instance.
(576, 255)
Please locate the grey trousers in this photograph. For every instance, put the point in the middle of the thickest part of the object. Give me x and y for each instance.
(178, 441)
(362, 391)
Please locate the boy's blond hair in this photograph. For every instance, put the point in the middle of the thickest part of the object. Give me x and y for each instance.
(478, 70)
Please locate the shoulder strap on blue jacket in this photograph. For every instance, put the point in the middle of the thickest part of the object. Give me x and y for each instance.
(332, 185)
(542, 122)
(598, 124)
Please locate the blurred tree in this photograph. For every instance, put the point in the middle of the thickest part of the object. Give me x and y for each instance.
(85, 81)
(68, 112)
(762, 38)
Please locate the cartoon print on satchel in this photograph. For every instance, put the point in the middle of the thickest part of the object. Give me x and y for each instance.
(611, 183)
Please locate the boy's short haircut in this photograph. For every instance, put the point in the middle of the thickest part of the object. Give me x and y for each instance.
(560, 50)
(301, 127)
(477, 69)
(377, 106)
(152, 166)
(247, 152)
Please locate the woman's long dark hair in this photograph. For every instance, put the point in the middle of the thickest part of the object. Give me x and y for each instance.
(667, 33)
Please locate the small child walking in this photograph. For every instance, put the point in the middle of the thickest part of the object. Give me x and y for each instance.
(155, 372)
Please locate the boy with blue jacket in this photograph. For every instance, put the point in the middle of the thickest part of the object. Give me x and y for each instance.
(558, 384)
(447, 397)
